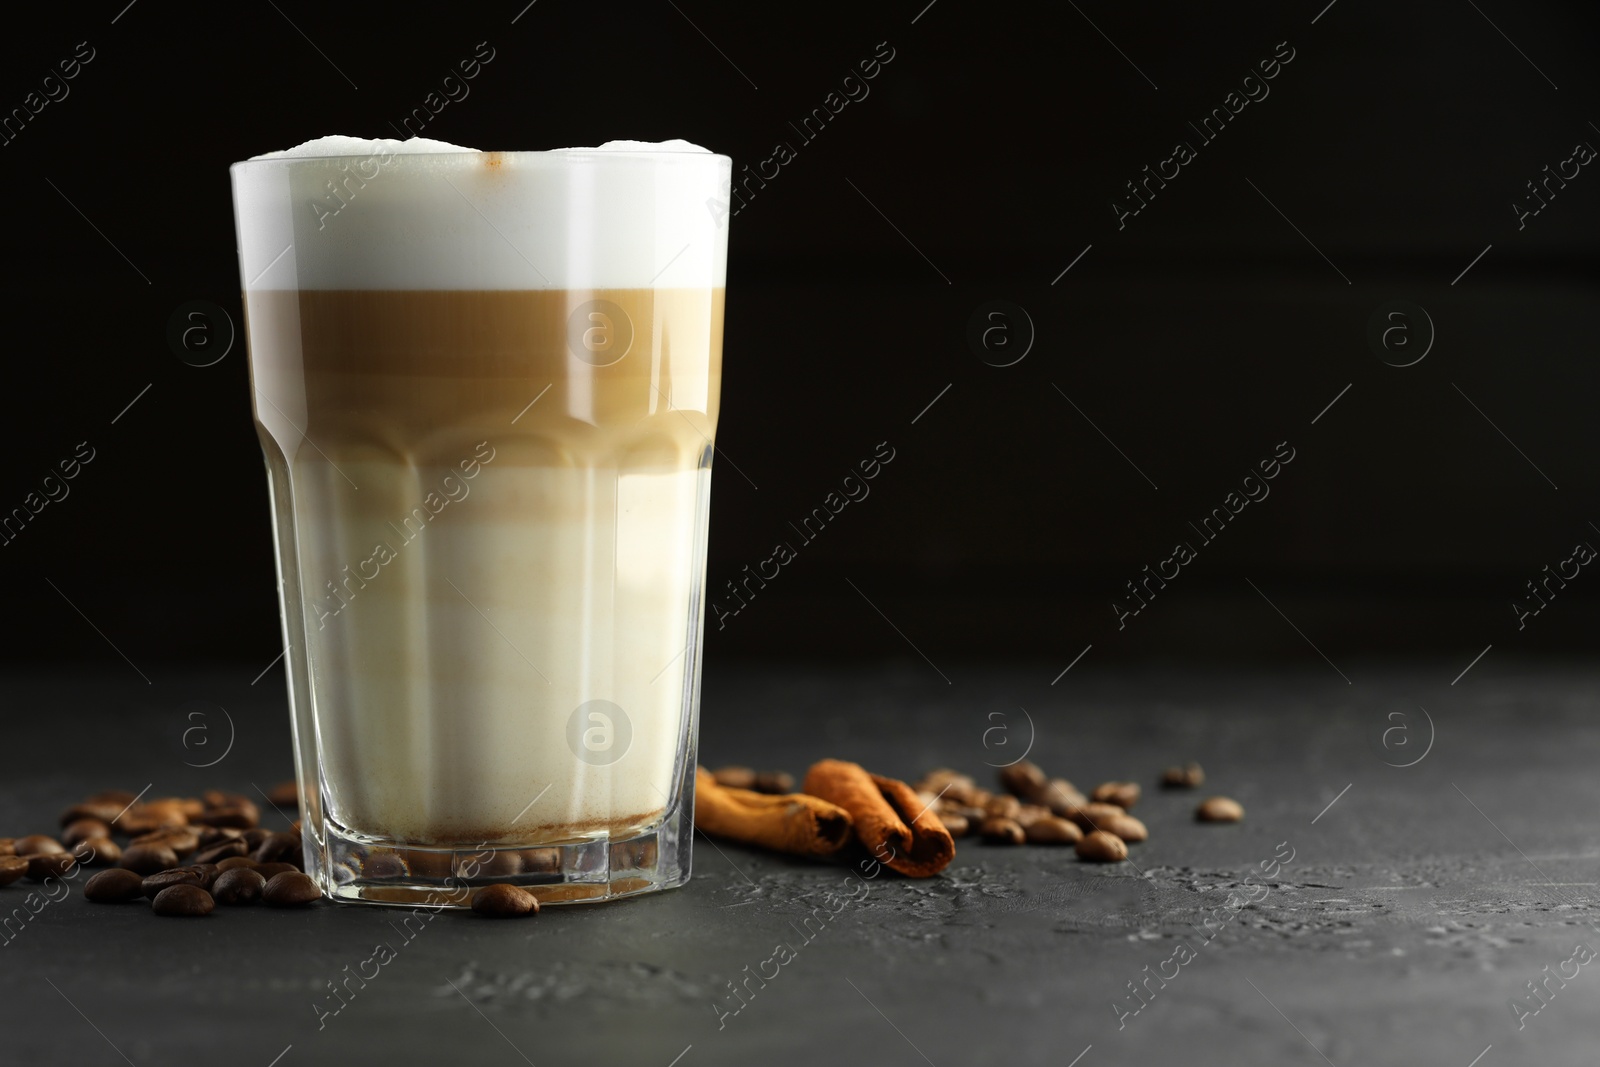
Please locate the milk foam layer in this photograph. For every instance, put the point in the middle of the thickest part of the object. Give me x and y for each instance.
(347, 213)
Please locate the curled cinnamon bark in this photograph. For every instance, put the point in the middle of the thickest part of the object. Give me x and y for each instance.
(795, 823)
(890, 819)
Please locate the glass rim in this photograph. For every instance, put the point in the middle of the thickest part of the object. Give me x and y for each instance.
(584, 155)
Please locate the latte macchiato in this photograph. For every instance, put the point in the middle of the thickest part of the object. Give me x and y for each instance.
(487, 389)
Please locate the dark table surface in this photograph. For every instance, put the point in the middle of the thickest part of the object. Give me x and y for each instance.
(1418, 903)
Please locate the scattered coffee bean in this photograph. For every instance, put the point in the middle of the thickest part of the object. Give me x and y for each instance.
(188, 901)
(114, 886)
(1023, 779)
(1189, 776)
(1126, 827)
(1219, 809)
(279, 848)
(1089, 815)
(245, 816)
(291, 889)
(35, 844)
(98, 852)
(50, 865)
(1028, 814)
(504, 901)
(1003, 806)
(84, 830)
(285, 794)
(209, 872)
(12, 868)
(1123, 794)
(999, 830)
(222, 850)
(1101, 847)
(162, 814)
(1062, 797)
(105, 811)
(180, 839)
(210, 835)
(254, 839)
(233, 862)
(148, 859)
(271, 870)
(8, 846)
(155, 883)
(237, 886)
(1053, 830)
(957, 825)
(759, 781)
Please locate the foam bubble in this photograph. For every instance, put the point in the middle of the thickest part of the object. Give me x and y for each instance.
(337, 145)
(353, 213)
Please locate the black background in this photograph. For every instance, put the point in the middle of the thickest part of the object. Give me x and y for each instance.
(983, 162)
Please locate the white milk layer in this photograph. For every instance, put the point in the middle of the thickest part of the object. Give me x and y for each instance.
(513, 668)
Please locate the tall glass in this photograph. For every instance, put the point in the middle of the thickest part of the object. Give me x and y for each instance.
(486, 385)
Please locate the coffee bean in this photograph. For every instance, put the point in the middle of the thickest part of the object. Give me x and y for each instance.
(999, 830)
(1126, 827)
(1053, 830)
(1189, 776)
(51, 865)
(208, 872)
(221, 850)
(245, 816)
(84, 830)
(776, 783)
(210, 835)
(234, 862)
(734, 777)
(148, 859)
(187, 901)
(105, 811)
(98, 852)
(181, 839)
(252, 838)
(1219, 809)
(504, 901)
(1028, 814)
(1061, 797)
(161, 814)
(8, 846)
(957, 825)
(1003, 806)
(155, 883)
(1023, 779)
(291, 889)
(1101, 847)
(271, 870)
(12, 868)
(238, 886)
(1088, 817)
(279, 848)
(1123, 794)
(37, 844)
(285, 794)
(114, 886)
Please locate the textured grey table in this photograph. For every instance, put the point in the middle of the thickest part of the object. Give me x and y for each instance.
(1414, 910)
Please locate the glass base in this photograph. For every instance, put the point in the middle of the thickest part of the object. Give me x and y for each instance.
(358, 867)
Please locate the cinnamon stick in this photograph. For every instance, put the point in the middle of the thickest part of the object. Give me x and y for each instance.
(795, 823)
(891, 821)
